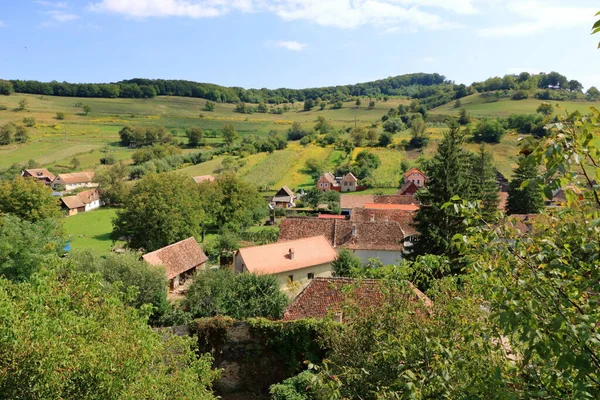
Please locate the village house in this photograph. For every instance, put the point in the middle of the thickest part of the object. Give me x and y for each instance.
(74, 180)
(383, 240)
(41, 174)
(415, 176)
(81, 202)
(299, 260)
(180, 260)
(326, 297)
(408, 189)
(284, 198)
(346, 183)
(404, 218)
(203, 178)
(349, 202)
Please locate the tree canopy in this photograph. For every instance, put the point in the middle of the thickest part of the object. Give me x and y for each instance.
(29, 199)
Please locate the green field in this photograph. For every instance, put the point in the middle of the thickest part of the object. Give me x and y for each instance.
(91, 230)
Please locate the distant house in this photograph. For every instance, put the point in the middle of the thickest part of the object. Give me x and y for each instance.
(366, 239)
(299, 260)
(81, 202)
(72, 181)
(404, 218)
(284, 198)
(41, 174)
(346, 183)
(559, 196)
(326, 297)
(349, 183)
(408, 189)
(203, 178)
(180, 260)
(415, 176)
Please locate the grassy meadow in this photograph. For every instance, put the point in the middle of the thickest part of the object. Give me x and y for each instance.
(91, 230)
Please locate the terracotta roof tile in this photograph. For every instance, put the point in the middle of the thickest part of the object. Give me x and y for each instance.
(348, 201)
(408, 189)
(77, 177)
(203, 178)
(399, 207)
(331, 216)
(81, 199)
(413, 171)
(326, 296)
(502, 200)
(356, 235)
(280, 257)
(404, 218)
(177, 257)
(40, 173)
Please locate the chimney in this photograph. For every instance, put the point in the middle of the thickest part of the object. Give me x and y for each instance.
(372, 217)
(291, 253)
(354, 230)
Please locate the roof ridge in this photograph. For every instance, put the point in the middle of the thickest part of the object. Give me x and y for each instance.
(170, 245)
(288, 242)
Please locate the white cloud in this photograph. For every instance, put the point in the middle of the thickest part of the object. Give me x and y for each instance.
(2, 24)
(290, 45)
(61, 16)
(387, 14)
(537, 17)
(61, 4)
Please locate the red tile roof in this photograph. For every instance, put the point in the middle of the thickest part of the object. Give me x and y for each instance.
(203, 178)
(331, 216)
(354, 235)
(178, 257)
(348, 201)
(414, 171)
(326, 296)
(40, 173)
(81, 199)
(400, 207)
(76, 177)
(280, 257)
(502, 200)
(404, 218)
(408, 189)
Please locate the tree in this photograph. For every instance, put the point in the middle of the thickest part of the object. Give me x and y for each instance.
(6, 88)
(448, 176)
(575, 86)
(7, 134)
(485, 186)
(372, 136)
(296, 132)
(357, 102)
(161, 209)
(230, 135)
(464, 118)
(87, 109)
(112, 183)
(21, 134)
(371, 104)
(489, 131)
(195, 137)
(223, 292)
(385, 139)
(358, 135)
(337, 105)
(29, 121)
(209, 106)
(262, 108)
(23, 104)
(60, 115)
(308, 105)
(394, 125)
(418, 137)
(545, 109)
(592, 94)
(527, 199)
(314, 167)
(457, 103)
(322, 126)
(75, 163)
(66, 335)
(28, 199)
(26, 246)
(345, 263)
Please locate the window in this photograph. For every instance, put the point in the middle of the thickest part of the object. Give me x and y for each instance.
(311, 275)
(321, 185)
(291, 278)
(418, 181)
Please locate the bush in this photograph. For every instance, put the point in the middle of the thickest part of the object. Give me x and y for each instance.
(60, 115)
(296, 132)
(489, 131)
(520, 95)
(394, 125)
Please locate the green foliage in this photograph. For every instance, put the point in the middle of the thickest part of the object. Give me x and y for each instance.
(12, 132)
(29, 199)
(464, 118)
(345, 263)
(545, 109)
(524, 195)
(484, 184)
(154, 152)
(160, 210)
(29, 121)
(138, 136)
(6, 88)
(394, 125)
(296, 132)
(314, 168)
(224, 292)
(230, 135)
(358, 135)
(322, 126)
(195, 137)
(418, 136)
(489, 131)
(209, 106)
(385, 139)
(86, 109)
(66, 336)
(23, 104)
(112, 183)
(298, 387)
(25, 246)
(308, 104)
(60, 115)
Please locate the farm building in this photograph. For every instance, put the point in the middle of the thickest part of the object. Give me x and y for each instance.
(203, 178)
(81, 202)
(299, 260)
(72, 181)
(408, 189)
(366, 239)
(180, 260)
(41, 174)
(346, 183)
(326, 297)
(284, 198)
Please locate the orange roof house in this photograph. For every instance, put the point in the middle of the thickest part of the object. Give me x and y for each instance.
(41, 174)
(298, 260)
(203, 178)
(180, 260)
(74, 180)
(325, 297)
(404, 218)
(81, 202)
(415, 176)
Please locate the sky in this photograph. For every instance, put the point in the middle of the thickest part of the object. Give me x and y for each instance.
(295, 43)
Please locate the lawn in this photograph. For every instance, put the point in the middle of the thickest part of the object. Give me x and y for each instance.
(91, 230)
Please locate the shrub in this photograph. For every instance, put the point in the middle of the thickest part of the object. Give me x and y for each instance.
(488, 130)
(60, 115)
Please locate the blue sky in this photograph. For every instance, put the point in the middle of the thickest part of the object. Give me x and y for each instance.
(295, 43)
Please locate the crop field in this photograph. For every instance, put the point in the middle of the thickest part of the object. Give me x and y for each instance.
(478, 106)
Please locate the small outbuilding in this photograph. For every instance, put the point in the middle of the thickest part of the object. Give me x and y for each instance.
(81, 202)
(284, 198)
(41, 174)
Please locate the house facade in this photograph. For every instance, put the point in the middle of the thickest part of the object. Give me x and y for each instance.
(81, 202)
(327, 182)
(180, 260)
(415, 176)
(346, 183)
(349, 183)
(298, 260)
(41, 174)
(284, 198)
(72, 181)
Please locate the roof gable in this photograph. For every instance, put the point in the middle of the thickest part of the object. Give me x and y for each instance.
(76, 177)
(177, 257)
(40, 173)
(414, 171)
